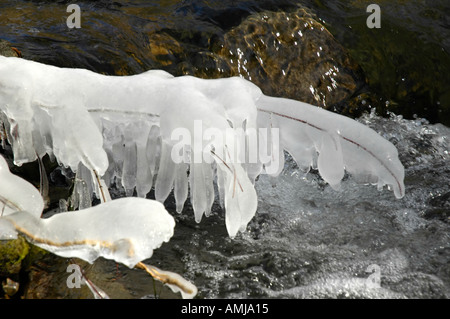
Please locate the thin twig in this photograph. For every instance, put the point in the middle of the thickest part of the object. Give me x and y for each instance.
(99, 185)
(235, 178)
(232, 170)
(8, 203)
(86, 279)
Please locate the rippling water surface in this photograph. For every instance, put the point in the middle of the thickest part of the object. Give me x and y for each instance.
(306, 239)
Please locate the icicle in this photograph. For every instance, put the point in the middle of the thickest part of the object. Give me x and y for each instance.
(129, 168)
(154, 150)
(181, 186)
(221, 186)
(209, 186)
(43, 183)
(166, 174)
(239, 196)
(81, 197)
(143, 174)
(198, 190)
(331, 171)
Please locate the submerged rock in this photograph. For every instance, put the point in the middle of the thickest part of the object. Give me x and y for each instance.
(289, 55)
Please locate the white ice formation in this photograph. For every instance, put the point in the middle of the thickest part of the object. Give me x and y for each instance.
(122, 127)
(126, 230)
(17, 194)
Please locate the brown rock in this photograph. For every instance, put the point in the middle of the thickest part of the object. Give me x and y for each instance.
(291, 55)
(7, 50)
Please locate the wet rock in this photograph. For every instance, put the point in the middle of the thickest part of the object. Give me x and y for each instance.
(10, 287)
(438, 213)
(47, 278)
(406, 61)
(289, 55)
(441, 200)
(440, 209)
(7, 50)
(163, 49)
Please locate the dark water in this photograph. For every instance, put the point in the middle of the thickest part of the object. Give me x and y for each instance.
(306, 240)
(406, 61)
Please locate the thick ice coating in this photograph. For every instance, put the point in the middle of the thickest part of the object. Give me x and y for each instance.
(126, 230)
(17, 194)
(333, 143)
(173, 280)
(128, 128)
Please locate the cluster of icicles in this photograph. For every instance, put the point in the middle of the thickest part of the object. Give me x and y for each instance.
(120, 129)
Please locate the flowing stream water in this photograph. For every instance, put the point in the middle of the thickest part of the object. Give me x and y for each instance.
(306, 240)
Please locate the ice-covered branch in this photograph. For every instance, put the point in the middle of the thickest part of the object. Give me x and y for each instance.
(333, 143)
(127, 129)
(173, 280)
(126, 230)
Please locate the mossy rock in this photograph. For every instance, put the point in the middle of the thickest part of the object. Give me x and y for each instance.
(12, 253)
